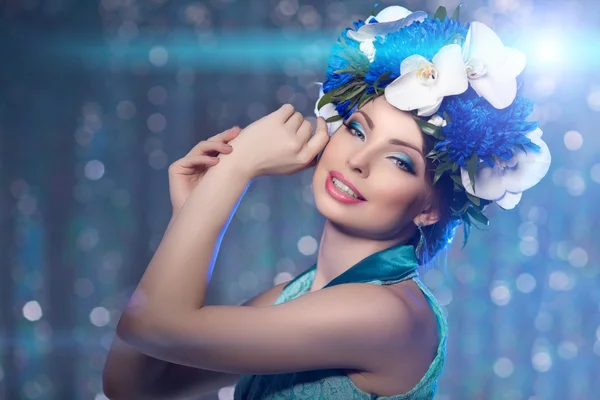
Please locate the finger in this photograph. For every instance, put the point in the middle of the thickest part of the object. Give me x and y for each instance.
(294, 122)
(305, 131)
(198, 148)
(227, 135)
(197, 161)
(318, 141)
(210, 147)
(284, 112)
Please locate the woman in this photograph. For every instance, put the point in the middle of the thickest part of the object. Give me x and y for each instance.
(429, 130)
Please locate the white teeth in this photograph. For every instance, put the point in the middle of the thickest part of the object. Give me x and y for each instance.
(338, 184)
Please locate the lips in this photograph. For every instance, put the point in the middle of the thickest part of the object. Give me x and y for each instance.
(339, 176)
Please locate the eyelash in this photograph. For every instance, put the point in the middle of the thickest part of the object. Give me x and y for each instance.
(397, 161)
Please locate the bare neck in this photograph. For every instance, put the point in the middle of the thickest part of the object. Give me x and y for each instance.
(339, 251)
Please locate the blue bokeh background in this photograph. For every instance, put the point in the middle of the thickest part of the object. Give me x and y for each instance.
(97, 98)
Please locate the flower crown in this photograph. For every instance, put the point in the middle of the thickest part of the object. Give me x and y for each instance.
(460, 83)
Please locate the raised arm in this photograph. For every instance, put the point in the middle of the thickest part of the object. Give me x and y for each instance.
(346, 326)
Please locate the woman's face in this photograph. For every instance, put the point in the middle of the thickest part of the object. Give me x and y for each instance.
(378, 151)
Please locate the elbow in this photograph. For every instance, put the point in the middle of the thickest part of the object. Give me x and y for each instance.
(126, 329)
(132, 328)
(113, 387)
(139, 331)
(110, 392)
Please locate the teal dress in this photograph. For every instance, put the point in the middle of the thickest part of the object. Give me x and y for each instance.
(383, 268)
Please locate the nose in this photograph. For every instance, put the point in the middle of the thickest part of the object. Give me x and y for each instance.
(358, 163)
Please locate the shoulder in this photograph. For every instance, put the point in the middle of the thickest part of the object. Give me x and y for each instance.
(418, 312)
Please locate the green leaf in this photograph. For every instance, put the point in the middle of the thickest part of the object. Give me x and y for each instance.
(381, 77)
(439, 171)
(464, 207)
(472, 168)
(441, 13)
(428, 128)
(373, 9)
(365, 97)
(340, 91)
(334, 118)
(466, 229)
(457, 179)
(353, 93)
(432, 153)
(478, 216)
(474, 200)
(447, 117)
(326, 99)
(344, 71)
(456, 14)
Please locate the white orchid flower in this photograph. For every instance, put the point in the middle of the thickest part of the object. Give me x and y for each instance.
(505, 182)
(422, 84)
(390, 19)
(437, 121)
(492, 68)
(328, 111)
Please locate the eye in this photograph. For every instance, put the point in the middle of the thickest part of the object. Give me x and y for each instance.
(355, 129)
(403, 164)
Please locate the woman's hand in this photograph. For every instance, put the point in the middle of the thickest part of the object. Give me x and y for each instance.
(185, 173)
(278, 144)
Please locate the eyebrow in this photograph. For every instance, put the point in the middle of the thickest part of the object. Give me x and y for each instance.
(392, 141)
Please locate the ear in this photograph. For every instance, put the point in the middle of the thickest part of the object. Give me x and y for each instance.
(428, 216)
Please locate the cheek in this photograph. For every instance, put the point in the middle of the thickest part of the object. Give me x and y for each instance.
(396, 191)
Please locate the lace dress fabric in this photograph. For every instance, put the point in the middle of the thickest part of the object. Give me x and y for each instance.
(335, 384)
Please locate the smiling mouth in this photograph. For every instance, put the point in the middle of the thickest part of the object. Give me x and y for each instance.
(345, 189)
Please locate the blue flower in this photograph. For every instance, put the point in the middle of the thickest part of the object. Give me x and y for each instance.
(340, 54)
(424, 38)
(477, 127)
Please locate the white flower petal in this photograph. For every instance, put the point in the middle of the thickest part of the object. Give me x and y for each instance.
(368, 48)
(452, 75)
(437, 120)
(412, 63)
(417, 16)
(332, 127)
(392, 13)
(360, 36)
(407, 93)
(489, 183)
(514, 63)
(483, 44)
(430, 110)
(494, 183)
(509, 200)
(498, 89)
(531, 166)
(390, 19)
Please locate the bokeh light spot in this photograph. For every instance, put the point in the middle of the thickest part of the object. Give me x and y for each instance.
(307, 245)
(573, 140)
(32, 310)
(503, 367)
(158, 56)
